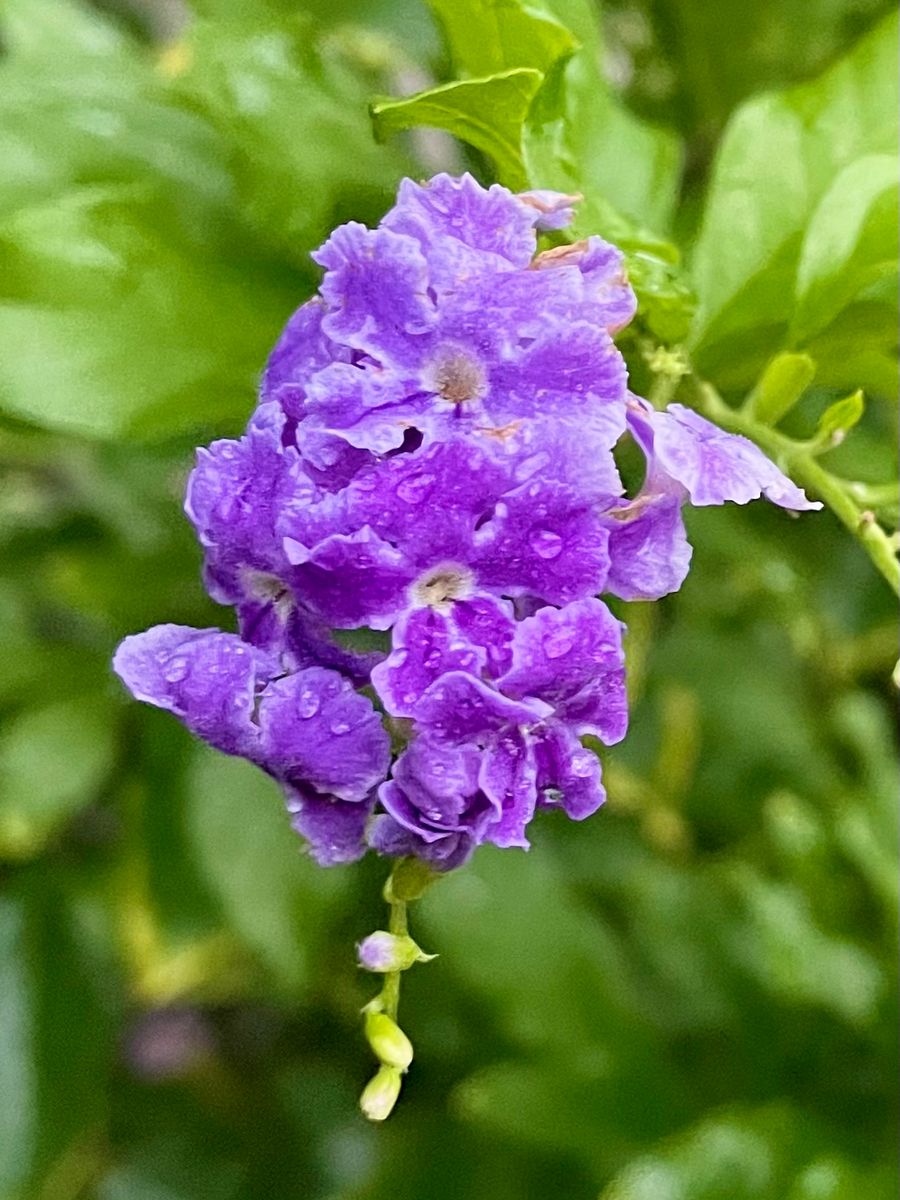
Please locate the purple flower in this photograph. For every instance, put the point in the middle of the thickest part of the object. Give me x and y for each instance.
(689, 459)
(499, 706)
(555, 210)
(435, 323)
(442, 523)
(309, 729)
(432, 454)
(382, 952)
(689, 456)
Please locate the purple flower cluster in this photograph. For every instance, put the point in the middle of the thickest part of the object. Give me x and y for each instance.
(431, 455)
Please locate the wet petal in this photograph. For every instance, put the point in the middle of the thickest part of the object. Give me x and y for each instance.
(335, 829)
(351, 580)
(233, 498)
(426, 644)
(568, 775)
(507, 778)
(207, 678)
(572, 658)
(544, 540)
(460, 709)
(317, 733)
(648, 548)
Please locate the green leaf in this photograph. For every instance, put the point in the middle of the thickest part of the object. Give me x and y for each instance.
(53, 760)
(783, 382)
(779, 156)
(747, 1154)
(272, 895)
(53, 1070)
(579, 137)
(488, 36)
(851, 243)
(119, 326)
(832, 972)
(486, 113)
(596, 142)
(292, 113)
(839, 418)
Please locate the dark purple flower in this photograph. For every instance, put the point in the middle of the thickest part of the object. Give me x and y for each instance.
(432, 453)
(498, 734)
(309, 729)
(442, 523)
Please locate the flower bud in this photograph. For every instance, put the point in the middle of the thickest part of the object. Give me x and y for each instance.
(383, 952)
(380, 1094)
(391, 1045)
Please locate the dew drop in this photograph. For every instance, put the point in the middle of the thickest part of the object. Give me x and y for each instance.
(175, 670)
(581, 764)
(308, 704)
(415, 489)
(545, 543)
(559, 643)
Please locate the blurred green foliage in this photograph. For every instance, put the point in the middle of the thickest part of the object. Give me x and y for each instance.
(691, 996)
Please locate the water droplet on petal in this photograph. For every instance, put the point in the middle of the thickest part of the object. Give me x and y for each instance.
(340, 727)
(415, 489)
(545, 543)
(175, 670)
(308, 704)
(559, 643)
(582, 764)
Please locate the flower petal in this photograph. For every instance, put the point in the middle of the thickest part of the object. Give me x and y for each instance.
(544, 540)
(317, 732)
(572, 659)
(648, 548)
(568, 775)
(376, 289)
(458, 708)
(507, 778)
(207, 678)
(426, 644)
(335, 829)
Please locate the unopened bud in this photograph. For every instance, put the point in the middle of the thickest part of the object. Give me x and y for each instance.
(382, 951)
(391, 1045)
(380, 1094)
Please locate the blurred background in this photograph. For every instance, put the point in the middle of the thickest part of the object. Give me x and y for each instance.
(690, 997)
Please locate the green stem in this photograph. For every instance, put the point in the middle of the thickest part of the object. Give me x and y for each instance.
(390, 993)
(801, 464)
